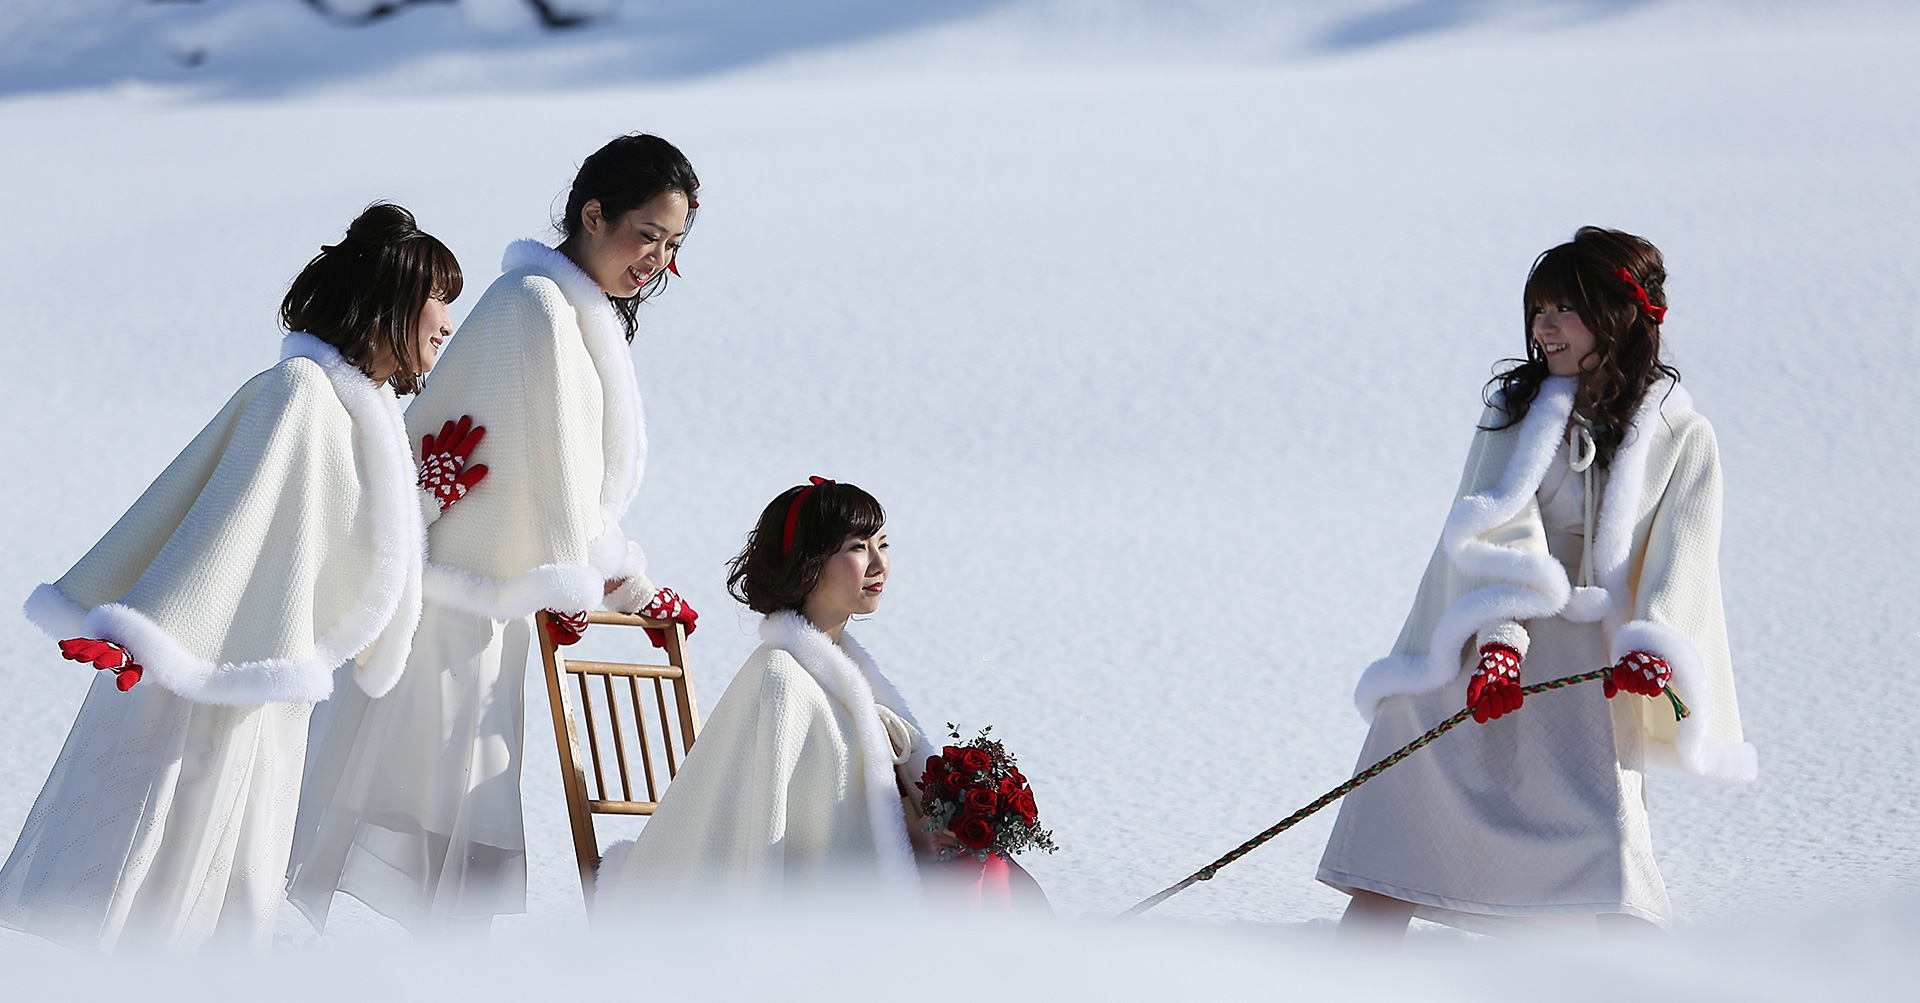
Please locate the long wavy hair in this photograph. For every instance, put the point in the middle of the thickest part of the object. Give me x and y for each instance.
(624, 175)
(1626, 359)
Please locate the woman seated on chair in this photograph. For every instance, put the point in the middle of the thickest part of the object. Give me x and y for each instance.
(799, 780)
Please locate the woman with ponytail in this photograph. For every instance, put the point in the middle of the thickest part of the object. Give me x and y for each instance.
(412, 802)
(281, 548)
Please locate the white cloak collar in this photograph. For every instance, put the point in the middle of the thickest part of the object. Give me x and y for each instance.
(848, 675)
(624, 417)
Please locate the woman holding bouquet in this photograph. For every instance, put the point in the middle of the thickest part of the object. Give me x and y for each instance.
(412, 802)
(1585, 533)
(803, 777)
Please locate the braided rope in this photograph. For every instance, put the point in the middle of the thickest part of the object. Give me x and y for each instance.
(1206, 873)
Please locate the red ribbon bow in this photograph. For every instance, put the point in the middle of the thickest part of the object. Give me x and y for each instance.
(793, 513)
(1658, 313)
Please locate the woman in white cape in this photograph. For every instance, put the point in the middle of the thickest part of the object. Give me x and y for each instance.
(412, 802)
(284, 541)
(1585, 533)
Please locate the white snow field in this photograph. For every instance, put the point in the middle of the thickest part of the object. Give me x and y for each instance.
(1159, 328)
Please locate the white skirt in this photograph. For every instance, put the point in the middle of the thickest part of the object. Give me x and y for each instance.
(412, 801)
(1537, 815)
(164, 824)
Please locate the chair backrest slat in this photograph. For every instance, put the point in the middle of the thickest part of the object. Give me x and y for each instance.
(583, 803)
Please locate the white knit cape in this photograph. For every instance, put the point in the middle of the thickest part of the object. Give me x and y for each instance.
(285, 539)
(542, 363)
(792, 778)
(1656, 565)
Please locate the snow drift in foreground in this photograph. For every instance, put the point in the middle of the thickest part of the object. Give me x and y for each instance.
(852, 956)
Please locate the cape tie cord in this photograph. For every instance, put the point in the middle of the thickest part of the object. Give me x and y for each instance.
(1206, 873)
(1639, 294)
(793, 513)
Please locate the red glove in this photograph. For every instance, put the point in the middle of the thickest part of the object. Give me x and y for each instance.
(1495, 687)
(104, 655)
(443, 461)
(565, 628)
(1639, 672)
(667, 605)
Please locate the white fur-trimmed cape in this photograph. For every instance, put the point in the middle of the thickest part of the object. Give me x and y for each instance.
(791, 784)
(1659, 512)
(542, 362)
(285, 539)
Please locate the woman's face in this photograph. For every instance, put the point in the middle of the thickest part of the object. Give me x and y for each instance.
(430, 333)
(621, 255)
(851, 580)
(1563, 336)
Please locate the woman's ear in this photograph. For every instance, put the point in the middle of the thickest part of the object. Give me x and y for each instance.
(591, 218)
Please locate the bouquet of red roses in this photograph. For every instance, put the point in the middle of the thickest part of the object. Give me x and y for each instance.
(976, 792)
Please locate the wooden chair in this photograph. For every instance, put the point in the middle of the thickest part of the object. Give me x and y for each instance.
(611, 732)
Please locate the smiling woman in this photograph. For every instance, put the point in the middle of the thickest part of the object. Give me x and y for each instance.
(412, 802)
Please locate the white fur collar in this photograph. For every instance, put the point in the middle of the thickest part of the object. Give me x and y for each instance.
(624, 417)
(848, 675)
(384, 620)
(381, 624)
(1522, 585)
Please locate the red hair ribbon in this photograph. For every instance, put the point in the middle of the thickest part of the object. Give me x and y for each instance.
(1658, 313)
(793, 513)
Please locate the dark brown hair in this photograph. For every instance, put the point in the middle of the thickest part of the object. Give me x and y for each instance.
(1626, 342)
(768, 581)
(625, 175)
(367, 291)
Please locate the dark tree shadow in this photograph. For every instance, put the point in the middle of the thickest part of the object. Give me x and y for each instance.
(303, 46)
(1416, 18)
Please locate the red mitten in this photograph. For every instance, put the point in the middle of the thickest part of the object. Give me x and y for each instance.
(1495, 687)
(1639, 672)
(443, 461)
(104, 655)
(667, 605)
(565, 628)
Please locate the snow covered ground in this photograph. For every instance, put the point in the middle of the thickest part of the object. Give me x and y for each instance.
(1159, 327)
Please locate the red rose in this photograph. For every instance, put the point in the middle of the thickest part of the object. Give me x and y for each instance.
(957, 783)
(1008, 788)
(980, 801)
(1022, 805)
(1013, 773)
(973, 832)
(975, 760)
(953, 754)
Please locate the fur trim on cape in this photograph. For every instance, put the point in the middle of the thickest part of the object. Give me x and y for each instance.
(624, 449)
(381, 623)
(850, 676)
(1523, 585)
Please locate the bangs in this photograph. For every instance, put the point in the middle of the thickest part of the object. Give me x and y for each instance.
(1556, 279)
(847, 512)
(443, 270)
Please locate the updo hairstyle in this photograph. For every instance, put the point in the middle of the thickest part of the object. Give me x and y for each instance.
(625, 175)
(367, 291)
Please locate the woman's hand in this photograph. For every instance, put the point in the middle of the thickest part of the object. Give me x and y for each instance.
(667, 605)
(104, 655)
(1495, 687)
(1639, 672)
(443, 461)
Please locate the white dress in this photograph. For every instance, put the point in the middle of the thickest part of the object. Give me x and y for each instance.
(412, 801)
(164, 824)
(278, 553)
(1540, 813)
